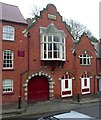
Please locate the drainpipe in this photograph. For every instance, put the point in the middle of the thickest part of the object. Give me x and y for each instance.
(28, 40)
(75, 73)
(20, 93)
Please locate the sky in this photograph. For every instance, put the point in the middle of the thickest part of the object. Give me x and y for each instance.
(86, 12)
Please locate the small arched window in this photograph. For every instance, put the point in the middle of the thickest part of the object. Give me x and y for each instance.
(85, 59)
(8, 33)
(7, 85)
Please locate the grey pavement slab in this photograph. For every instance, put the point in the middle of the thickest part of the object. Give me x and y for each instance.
(45, 106)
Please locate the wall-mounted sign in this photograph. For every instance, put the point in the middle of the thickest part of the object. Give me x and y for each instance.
(50, 16)
(21, 53)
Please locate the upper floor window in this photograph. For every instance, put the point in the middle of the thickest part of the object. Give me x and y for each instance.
(52, 43)
(85, 59)
(8, 59)
(8, 33)
(7, 85)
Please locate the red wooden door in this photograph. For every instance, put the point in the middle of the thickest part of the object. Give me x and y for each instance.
(38, 89)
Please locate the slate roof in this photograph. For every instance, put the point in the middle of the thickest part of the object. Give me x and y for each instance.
(11, 13)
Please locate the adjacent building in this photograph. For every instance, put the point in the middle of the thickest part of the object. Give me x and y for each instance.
(41, 61)
(99, 65)
(14, 51)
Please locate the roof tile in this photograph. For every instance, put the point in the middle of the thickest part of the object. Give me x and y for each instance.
(11, 13)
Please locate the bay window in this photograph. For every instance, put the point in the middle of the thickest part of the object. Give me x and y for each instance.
(52, 44)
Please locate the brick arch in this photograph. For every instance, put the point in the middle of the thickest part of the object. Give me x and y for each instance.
(86, 74)
(85, 52)
(68, 73)
(50, 80)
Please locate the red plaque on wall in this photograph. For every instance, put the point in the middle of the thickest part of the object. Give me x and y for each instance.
(21, 53)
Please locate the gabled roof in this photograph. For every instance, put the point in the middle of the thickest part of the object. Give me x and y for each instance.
(11, 13)
(77, 43)
(33, 21)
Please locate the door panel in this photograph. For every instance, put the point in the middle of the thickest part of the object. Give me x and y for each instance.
(38, 89)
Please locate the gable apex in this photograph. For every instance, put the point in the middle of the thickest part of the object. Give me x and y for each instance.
(83, 39)
(51, 5)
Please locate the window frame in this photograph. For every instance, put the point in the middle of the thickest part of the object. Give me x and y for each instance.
(85, 59)
(66, 79)
(8, 60)
(83, 86)
(60, 51)
(7, 32)
(8, 86)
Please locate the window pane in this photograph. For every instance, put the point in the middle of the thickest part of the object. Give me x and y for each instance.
(85, 59)
(49, 54)
(52, 47)
(49, 38)
(55, 46)
(8, 33)
(81, 61)
(56, 39)
(44, 46)
(56, 50)
(84, 55)
(44, 38)
(55, 54)
(7, 59)
(66, 83)
(7, 85)
(85, 82)
(49, 46)
(88, 61)
(63, 41)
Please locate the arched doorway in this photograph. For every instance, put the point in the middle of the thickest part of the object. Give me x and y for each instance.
(38, 82)
(38, 89)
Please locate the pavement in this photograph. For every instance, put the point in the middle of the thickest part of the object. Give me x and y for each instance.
(49, 106)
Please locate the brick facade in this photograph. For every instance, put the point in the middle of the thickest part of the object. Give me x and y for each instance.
(20, 43)
(28, 64)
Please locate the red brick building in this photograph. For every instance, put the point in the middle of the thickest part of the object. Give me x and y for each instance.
(46, 64)
(99, 64)
(12, 24)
